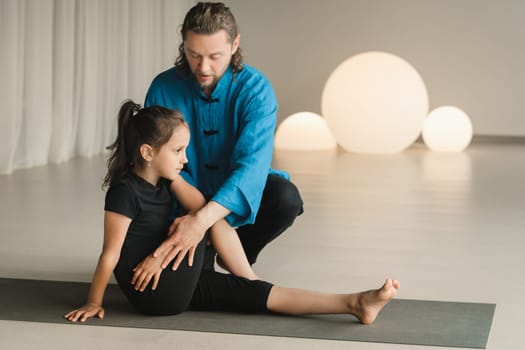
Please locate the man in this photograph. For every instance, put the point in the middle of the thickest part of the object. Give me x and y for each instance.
(231, 111)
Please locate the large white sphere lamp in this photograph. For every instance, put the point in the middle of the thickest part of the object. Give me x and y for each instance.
(447, 129)
(375, 102)
(304, 131)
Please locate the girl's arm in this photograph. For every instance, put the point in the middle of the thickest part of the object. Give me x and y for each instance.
(188, 196)
(223, 236)
(115, 228)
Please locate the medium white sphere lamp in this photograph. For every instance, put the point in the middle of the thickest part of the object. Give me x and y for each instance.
(304, 131)
(375, 102)
(447, 129)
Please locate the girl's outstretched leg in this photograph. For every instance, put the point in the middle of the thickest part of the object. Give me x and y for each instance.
(363, 305)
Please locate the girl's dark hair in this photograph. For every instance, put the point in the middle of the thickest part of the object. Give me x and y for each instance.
(137, 126)
(209, 18)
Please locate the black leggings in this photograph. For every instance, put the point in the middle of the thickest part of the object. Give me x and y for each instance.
(191, 288)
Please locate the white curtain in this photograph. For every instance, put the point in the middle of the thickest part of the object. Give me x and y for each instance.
(67, 65)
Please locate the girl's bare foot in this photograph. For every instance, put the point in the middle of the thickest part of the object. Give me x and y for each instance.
(367, 305)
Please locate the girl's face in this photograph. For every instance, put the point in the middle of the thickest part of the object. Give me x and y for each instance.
(168, 161)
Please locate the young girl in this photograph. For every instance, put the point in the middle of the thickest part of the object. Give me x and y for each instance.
(143, 178)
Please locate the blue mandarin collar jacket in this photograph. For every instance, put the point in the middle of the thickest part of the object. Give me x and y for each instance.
(232, 135)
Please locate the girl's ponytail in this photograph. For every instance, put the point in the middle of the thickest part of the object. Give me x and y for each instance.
(120, 160)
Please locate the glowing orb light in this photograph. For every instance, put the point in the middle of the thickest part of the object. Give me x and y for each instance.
(447, 129)
(304, 131)
(375, 102)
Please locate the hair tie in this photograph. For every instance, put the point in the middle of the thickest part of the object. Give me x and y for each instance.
(136, 108)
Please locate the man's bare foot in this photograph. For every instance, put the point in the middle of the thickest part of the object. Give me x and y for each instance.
(367, 305)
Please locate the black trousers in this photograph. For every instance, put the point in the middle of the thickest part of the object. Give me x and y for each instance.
(281, 203)
(191, 288)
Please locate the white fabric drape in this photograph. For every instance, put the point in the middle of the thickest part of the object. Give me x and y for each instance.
(67, 65)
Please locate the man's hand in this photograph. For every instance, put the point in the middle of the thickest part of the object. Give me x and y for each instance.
(185, 234)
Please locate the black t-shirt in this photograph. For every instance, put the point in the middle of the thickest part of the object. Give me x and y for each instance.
(149, 208)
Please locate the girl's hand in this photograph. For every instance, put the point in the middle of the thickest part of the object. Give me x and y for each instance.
(149, 268)
(85, 312)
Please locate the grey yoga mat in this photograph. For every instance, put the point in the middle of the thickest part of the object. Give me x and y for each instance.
(417, 322)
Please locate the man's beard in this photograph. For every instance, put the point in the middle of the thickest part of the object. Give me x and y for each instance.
(208, 88)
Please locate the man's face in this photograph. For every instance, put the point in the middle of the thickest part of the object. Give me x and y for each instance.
(209, 56)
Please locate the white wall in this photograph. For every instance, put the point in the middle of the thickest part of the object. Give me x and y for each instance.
(470, 53)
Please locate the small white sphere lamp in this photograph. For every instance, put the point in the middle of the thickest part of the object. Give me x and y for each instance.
(375, 102)
(447, 129)
(304, 131)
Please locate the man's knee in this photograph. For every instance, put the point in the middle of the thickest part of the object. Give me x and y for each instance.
(284, 195)
(291, 202)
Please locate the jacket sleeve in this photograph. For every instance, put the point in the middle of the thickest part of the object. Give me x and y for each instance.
(251, 159)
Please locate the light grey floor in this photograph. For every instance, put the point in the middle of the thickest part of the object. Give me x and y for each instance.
(448, 226)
